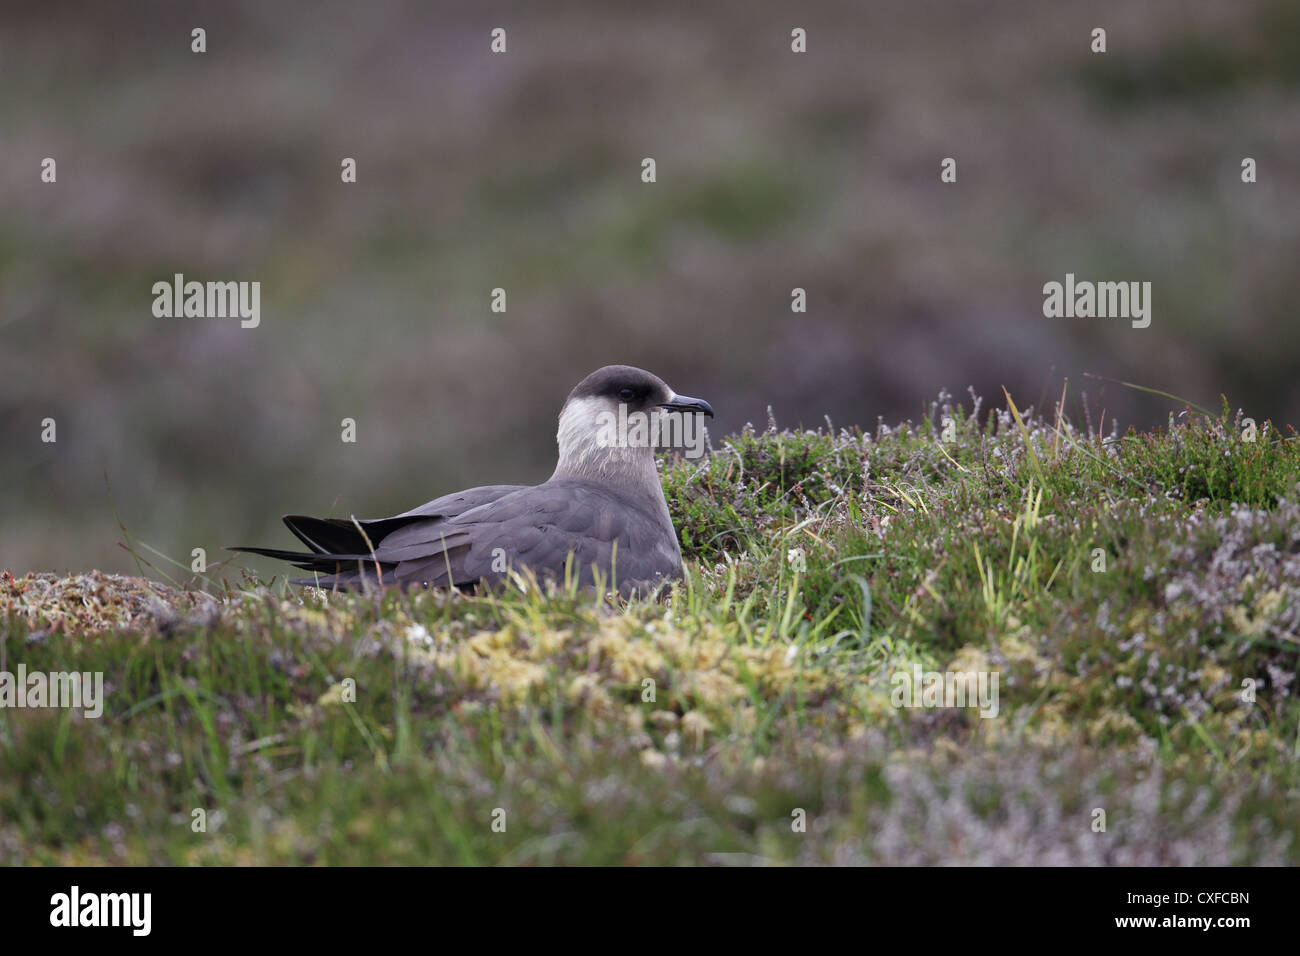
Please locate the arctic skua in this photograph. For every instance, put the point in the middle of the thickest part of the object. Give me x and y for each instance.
(600, 517)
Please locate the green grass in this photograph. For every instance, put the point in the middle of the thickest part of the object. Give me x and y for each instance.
(705, 727)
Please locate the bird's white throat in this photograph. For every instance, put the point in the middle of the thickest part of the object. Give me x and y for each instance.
(589, 451)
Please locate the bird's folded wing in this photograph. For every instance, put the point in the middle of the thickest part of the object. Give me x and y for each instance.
(552, 529)
(448, 506)
(537, 528)
(345, 536)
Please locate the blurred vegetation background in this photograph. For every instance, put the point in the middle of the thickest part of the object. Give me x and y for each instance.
(522, 171)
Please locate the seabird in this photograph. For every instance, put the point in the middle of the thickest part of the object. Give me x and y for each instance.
(603, 510)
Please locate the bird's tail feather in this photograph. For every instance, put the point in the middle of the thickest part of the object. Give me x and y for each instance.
(308, 560)
(340, 536)
(341, 548)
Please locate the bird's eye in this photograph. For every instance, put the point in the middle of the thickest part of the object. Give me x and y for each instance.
(626, 394)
